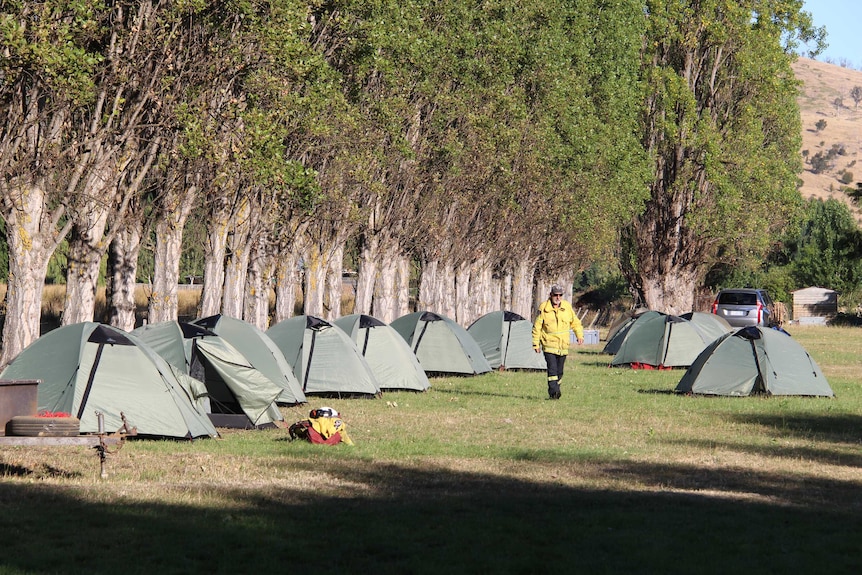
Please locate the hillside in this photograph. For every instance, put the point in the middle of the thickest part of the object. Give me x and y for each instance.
(823, 84)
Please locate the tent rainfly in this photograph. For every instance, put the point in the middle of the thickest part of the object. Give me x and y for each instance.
(619, 330)
(89, 367)
(390, 358)
(712, 325)
(259, 349)
(237, 394)
(506, 340)
(755, 360)
(658, 340)
(324, 358)
(440, 344)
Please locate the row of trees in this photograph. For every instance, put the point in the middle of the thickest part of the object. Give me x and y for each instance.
(502, 145)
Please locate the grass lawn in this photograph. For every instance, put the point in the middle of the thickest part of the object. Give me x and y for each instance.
(477, 475)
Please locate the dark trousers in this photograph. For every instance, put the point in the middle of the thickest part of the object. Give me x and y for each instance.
(555, 372)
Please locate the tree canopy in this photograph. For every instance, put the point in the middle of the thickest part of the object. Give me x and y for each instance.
(489, 147)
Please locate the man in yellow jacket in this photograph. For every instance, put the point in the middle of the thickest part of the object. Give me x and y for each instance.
(551, 336)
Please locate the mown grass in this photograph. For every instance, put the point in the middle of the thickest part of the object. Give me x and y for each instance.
(478, 475)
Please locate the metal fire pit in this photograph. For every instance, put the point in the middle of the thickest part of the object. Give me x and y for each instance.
(17, 397)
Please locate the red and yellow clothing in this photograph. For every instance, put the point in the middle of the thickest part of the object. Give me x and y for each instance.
(552, 325)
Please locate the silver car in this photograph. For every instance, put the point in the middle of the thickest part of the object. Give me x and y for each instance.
(744, 307)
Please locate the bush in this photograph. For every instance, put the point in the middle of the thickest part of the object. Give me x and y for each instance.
(819, 163)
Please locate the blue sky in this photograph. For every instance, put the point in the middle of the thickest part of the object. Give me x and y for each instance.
(843, 22)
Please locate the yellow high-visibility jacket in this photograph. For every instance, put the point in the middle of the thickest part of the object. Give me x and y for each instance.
(329, 426)
(552, 325)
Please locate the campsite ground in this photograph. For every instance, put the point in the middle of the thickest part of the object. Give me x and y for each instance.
(477, 475)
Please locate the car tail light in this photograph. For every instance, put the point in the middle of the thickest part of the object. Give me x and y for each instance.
(759, 312)
(715, 306)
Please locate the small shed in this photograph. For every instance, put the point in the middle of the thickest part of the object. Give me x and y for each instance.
(814, 302)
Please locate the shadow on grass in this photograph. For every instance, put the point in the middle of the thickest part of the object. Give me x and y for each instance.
(827, 456)
(43, 471)
(836, 428)
(383, 518)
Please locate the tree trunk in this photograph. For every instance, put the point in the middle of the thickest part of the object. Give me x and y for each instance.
(672, 264)
(315, 281)
(427, 279)
(504, 286)
(335, 284)
(236, 265)
(366, 278)
(437, 290)
(257, 285)
(402, 289)
(108, 187)
(86, 248)
(122, 269)
(215, 253)
(32, 236)
(385, 302)
(173, 213)
(495, 294)
(523, 302)
(163, 305)
(672, 293)
(234, 282)
(485, 291)
(288, 279)
(463, 293)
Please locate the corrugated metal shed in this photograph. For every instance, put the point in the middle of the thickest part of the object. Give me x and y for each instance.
(814, 302)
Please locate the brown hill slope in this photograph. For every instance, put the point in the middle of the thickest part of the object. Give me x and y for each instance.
(823, 85)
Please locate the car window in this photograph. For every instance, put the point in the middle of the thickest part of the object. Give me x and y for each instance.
(736, 298)
(766, 299)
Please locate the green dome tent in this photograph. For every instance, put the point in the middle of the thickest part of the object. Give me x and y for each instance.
(88, 367)
(755, 360)
(440, 344)
(238, 395)
(325, 360)
(390, 358)
(506, 340)
(259, 349)
(658, 340)
(618, 332)
(712, 325)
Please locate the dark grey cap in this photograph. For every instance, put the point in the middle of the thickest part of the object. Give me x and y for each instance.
(555, 289)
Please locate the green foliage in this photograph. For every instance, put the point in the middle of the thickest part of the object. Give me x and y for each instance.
(824, 249)
(820, 125)
(57, 264)
(146, 264)
(47, 45)
(777, 280)
(828, 250)
(846, 177)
